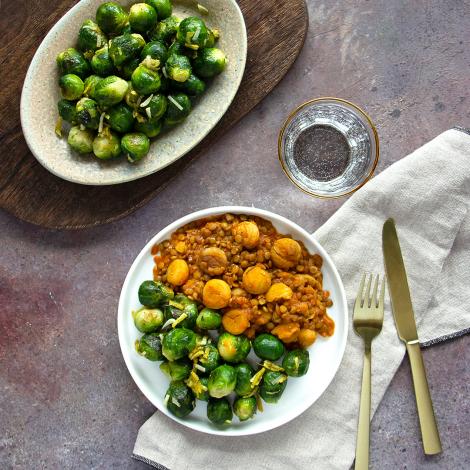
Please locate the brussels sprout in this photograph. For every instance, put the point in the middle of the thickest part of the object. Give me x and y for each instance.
(132, 98)
(178, 343)
(193, 86)
(178, 68)
(71, 86)
(127, 68)
(177, 49)
(244, 408)
(208, 319)
(272, 386)
(244, 374)
(219, 411)
(176, 370)
(127, 29)
(154, 294)
(90, 37)
(296, 362)
(179, 399)
(81, 140)
(192, 32)
(233, 348)
(150, 346)
(165, 84)
(162, 7)
(120, 118)
(101, 63)
(150, 128)
(165, 30)
(158, 105)
(156, 50)
(148, 320)
(106, 145)
(142, 17)
(126, 47)
(145, 80)
(176, 114)
(87, 113)
(110, 91)
(72, 61)
(90, 85)
(209, 62)
(267, 346)
(111, 17)
(203, 395)
(67, 111)
(222, 381)
(211, 358)
(179, 306)
(212, 37)
(135, 145)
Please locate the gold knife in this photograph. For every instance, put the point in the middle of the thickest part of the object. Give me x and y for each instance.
(406, 327)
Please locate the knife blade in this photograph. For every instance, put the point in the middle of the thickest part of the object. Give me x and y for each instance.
(402, 310)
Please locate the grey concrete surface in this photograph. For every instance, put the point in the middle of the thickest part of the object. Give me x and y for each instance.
(66, 398)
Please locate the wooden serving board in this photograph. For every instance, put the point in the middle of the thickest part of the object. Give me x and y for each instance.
(276, 33)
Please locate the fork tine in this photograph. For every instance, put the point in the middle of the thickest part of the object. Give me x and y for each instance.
(374, 301)
(382, 295)
(367, 300)
(358, 302)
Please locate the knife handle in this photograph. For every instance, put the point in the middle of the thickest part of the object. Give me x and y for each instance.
(427, 420)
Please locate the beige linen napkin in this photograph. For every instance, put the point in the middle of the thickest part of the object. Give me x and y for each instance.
(428, 194)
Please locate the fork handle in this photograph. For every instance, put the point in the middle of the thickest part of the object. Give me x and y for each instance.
(363, 428)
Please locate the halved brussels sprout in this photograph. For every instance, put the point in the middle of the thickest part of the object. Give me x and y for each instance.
(193, 86)
(219, 411)
(150, 346)
(208, 319)
(154, 294)
(222, 381)
(210, 360)
(90, 85)
(110, 91)
(127, 68)
(162, 7)
(156, 50)
(111, 17)
(176, 370)
(120, 118)
(244, 408)
(296, 362)
(72, 61)
(244, 374)
(272, 386)
(203, 395)
(148, 320)
(178, 343)
(165, 30)
(67, 110)
(179, 399)
(150, 128)
(81, 140)
(87, 113)
(142, 17)
(125, 47)
(209, 62)
(268, 347)
(182, 305)
(101, 63)
(71, 86)
(145, 80)
(233, 348)
(178, 68)
(179, 107)
(90, 37)
(107, 145)
(135, 145)
(192, 32)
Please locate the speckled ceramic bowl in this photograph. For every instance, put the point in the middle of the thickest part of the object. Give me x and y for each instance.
(41, 93)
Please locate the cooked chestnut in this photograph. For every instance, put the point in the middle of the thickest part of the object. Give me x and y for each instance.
(246, 233)
(213, 261)
(256, 280)
(285, 253)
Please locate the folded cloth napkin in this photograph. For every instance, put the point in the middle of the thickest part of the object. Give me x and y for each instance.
(428, 195)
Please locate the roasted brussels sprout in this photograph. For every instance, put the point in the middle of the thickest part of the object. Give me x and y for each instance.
(156, 50)
(142, 17)
(222, 381)
(178, 343)
(145, 80)
(216, 292)
(209, 62)
(150, 128)
(179, 399)
(210, 359)
(244, 374)
(67, 111)
(233, 348)
(177, 48)
(203, 395)
(268, 347)
(296, 362)
(182, 305)
(150, 346)
(212, 37)
(101, 63)
(148, 320)
(176, 370)
(192, 32)
(90, 37)
(71, 86)
(135, 145)
(208, 319)
(107, 145)
(72, 61)
(126, 47)
(90, 85)
(157, 106)
(81, 140)
(244, 408)
(178, 68)
(111, 18)
(87, 113)
(272, 386)
(154, 294)
(165, 29)
(110, 91)
(193, 86)
(127, 68)
(120, 118)
(219, 411)
(162, 7)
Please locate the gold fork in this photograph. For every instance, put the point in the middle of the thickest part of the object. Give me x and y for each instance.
(368, 317)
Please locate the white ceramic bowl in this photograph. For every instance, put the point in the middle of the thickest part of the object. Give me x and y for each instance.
(300, 393)
(41, 93)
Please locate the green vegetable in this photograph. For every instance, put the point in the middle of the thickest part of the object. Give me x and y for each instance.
(165, 30)
(176, 114)
(272, 386)
(182, 305)
(212, 37)
(145, 80)
(204, 394)
(90, 85)
(111, 17)
(135, 145)
(126, 47)
(268, 347)
(127, 68)
(244, 408)
(110, 91)
(150, 346)
(244, 374)
(158, 105)
(219, 411)
(177, 48)
(176, 370)
(178, 343)
(90, 37)
(67, 110)
(179, 399)
(81, 140)
(148, 320)
(87, 113)
(120, 118)
(209, 62)
(156, 50)
(72, 61)
(178, 68)
(233, 348)
(211, 358)
(193, 86)
(71, 86)
(296, 362)
(208, 319)
(222, 381)
(154, 294)
(107, 145)
(150, 128)
(192, 32)
(101, 63)
(163, 7)
(142, 17)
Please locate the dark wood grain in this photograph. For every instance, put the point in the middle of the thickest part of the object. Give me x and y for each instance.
(276, 33)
